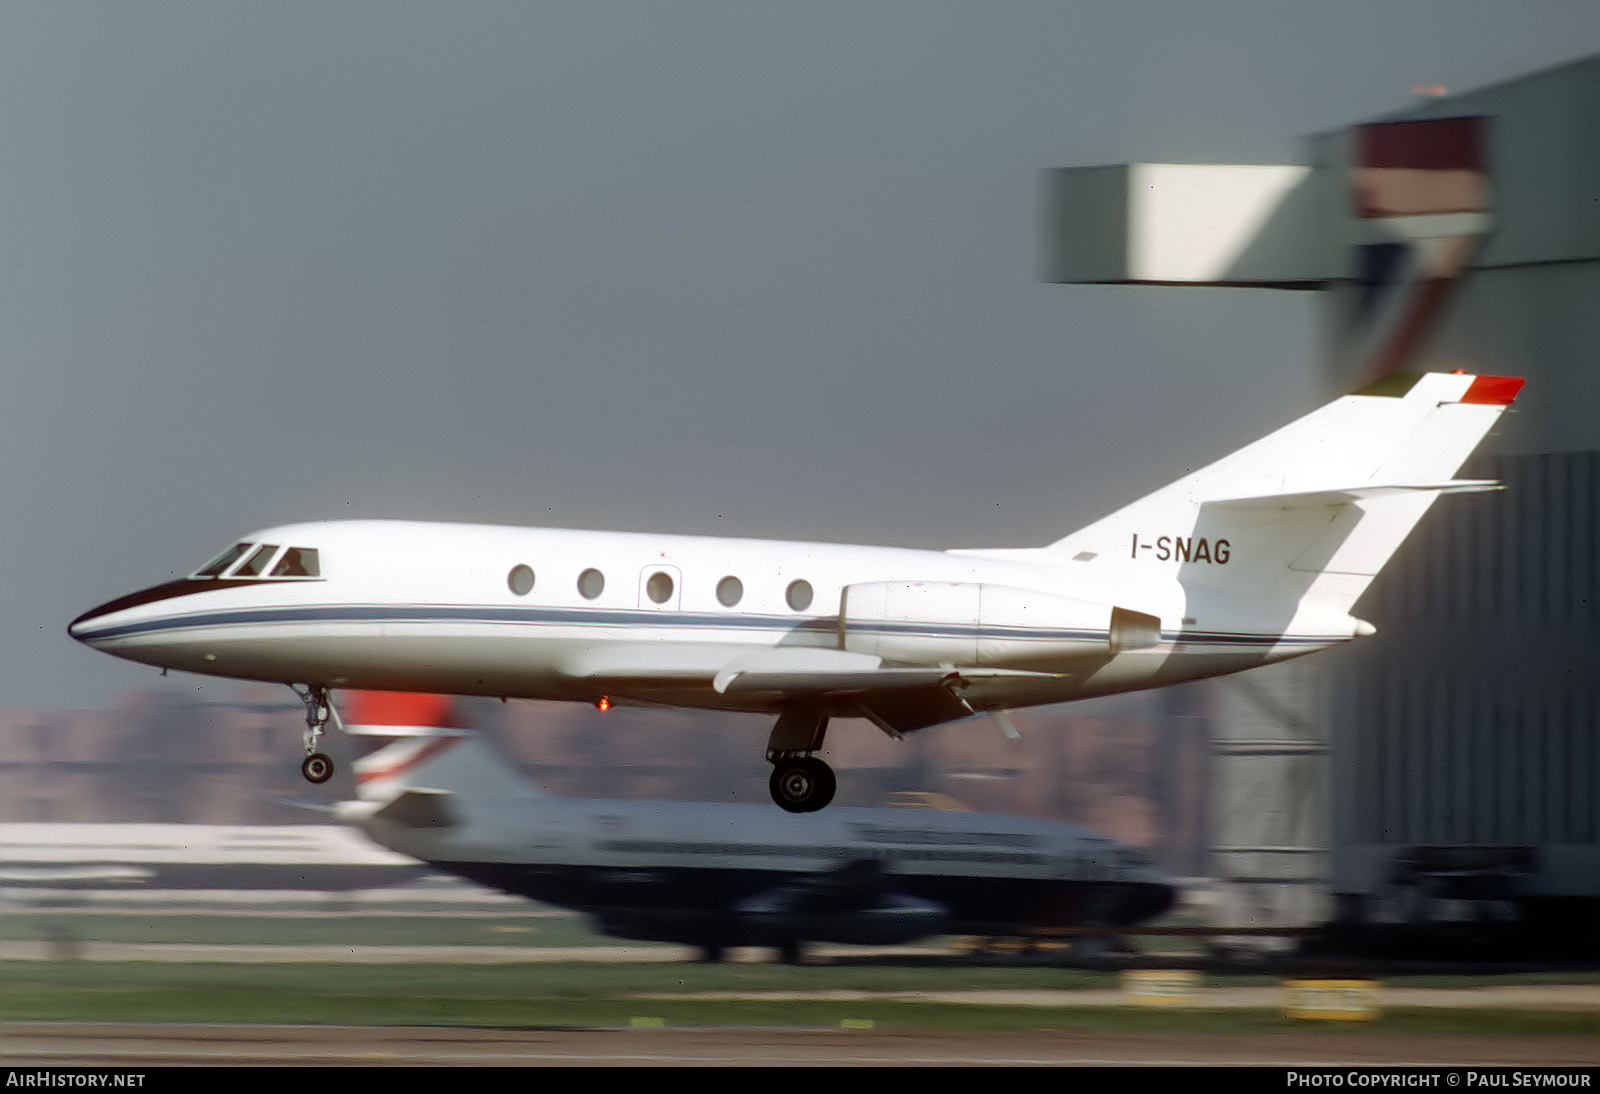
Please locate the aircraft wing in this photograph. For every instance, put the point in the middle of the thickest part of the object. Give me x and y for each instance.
(651, 662)
(855, 903)
(863, 883)
(817, 672)
(902, 710)
(823, 673)
(897, 700)
(737, 670)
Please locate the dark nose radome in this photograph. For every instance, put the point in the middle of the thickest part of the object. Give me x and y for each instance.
(187, 586)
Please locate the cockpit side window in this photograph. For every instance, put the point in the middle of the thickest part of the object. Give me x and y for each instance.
(222, 561)
(257, 562)
(298, 562)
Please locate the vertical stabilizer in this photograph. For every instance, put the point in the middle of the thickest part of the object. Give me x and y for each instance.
(430, 750)
(1317, 507)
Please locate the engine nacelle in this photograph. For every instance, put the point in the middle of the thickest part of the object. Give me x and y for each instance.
(965, 623)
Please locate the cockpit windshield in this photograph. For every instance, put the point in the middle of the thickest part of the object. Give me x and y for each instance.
(222, 561)
(293, 562)
(257, 561)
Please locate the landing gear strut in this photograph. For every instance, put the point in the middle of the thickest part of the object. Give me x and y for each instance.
(800, 782)
(317, 767)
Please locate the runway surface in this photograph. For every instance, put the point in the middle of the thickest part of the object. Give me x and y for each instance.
(37, 1044)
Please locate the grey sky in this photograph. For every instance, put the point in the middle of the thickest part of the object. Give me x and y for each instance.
(746, 268)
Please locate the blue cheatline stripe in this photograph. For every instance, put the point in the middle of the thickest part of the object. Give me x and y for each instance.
(417, 613)
(597, 617)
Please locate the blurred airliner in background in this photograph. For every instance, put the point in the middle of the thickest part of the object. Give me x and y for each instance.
(1251, 560)
(721, 875)
(103, 856)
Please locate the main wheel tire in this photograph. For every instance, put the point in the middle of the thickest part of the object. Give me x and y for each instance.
(317, 768)
(827, 784)
(802, 786)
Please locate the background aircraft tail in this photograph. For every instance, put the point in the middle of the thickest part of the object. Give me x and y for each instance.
(431, 755)
(1316, 508)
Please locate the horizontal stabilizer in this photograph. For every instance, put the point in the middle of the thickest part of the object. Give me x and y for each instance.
(301, 803)
(419, 808)
(410, 781)
(1309, 499)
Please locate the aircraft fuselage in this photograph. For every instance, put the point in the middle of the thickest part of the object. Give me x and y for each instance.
(579, 615)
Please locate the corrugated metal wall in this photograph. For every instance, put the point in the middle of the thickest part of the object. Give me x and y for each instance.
(1465, 736)
(1472, 718)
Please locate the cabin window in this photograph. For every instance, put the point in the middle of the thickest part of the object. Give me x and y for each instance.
(222, 561)
(520, 580)
(591, 583)
(730, 590)
(298, 562)
(257, 562)
(799, 595)
(659, 587)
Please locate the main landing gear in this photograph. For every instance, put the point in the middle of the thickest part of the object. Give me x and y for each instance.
(317, 767)
(800, 782)
(803, 784)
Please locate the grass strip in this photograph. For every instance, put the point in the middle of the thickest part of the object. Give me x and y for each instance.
(592, 995)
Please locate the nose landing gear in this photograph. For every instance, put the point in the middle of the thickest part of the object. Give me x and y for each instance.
(317, 767)
(800, 782)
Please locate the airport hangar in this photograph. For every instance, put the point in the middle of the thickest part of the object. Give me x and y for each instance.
(1436, 788)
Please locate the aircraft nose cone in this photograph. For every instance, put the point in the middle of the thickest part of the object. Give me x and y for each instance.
(79, 627)
(86, 630)
(89, 627)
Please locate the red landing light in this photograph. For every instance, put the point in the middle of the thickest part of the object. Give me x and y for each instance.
(603, 703)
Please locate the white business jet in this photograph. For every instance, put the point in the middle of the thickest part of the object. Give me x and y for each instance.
(1254, 559)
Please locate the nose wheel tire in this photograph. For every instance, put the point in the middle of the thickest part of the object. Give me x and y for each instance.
(802, 785)
(317, 768)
